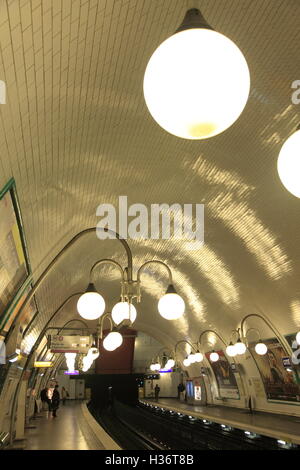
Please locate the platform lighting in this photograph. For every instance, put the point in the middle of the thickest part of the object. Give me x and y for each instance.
(214, 356)
(112, 341)
(91, 304)
(199, 357)
(288, 164)
(192, 358)
(171, 306)
(261, 348)
(123, 311)
(230, 350)
(186, 362)
(93, 352)
(240, 347)
(183, 75)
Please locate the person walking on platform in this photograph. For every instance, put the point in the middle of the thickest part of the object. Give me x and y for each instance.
(55, 401)
(156, 392)
(64, 395)
(44, 398)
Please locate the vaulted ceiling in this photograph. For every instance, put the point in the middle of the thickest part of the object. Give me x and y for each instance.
(75, 133)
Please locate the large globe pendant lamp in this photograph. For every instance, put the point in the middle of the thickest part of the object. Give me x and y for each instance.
(288, 164)
(91, 304)
(112, 341)
(171, 306)
(123, 311)
(197, 81)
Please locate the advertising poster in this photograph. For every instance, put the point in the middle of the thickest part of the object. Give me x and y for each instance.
(27, 314)
(281, 381)
(225, 378)
(13, 266)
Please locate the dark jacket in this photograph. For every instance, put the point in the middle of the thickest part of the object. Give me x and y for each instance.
(55, 399)
(44, 396)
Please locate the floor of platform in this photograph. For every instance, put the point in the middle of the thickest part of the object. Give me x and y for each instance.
(277, 426)
(69, 431)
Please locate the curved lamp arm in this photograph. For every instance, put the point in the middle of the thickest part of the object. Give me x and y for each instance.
(106, 261)
(211, 331)
(183, 341)
(280, 338)
(101, 322)
(157, 262)
(59, 256)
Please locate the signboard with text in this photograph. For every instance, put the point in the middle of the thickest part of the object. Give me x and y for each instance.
(69, 344)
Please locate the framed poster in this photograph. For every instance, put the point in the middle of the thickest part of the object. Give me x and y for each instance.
(225, 378)
(281, 383)
(14, 265)
(27, 314)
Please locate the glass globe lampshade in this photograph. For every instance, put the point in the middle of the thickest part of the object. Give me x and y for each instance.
(197, 81)
(186, 362)
(157, 366)
(240, 347)
(171, 363)
(112, 341)
(214, 356)
(91, 304)
(298, 337)
(93, 353)
(152, 367)
(261, 348)
(288, 164)
(70, 360)
(171, 306)
(231, 351)
(123, 311)
(192, 358)
(199, 356)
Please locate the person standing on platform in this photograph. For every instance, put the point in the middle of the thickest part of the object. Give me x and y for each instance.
(181, 389)
(156, 392)
(55, 401)
(64, 395)
(44, 398)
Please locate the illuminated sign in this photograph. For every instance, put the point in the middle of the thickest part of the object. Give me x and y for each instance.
(74, 372)
(66, 344)
(43, 364)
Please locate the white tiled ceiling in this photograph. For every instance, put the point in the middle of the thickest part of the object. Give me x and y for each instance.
(75, 132)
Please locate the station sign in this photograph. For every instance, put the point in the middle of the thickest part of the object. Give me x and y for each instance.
(69, 344)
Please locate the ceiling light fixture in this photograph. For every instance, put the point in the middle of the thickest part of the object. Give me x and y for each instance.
(91, 304)
(197, 81)
(288, 164)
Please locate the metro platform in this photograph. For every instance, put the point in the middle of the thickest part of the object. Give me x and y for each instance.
(74, 428)
(286, 428)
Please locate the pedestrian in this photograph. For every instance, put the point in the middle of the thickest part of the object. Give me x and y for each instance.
(44, 398)
(64, 395)
(181, 389)
(156, 392)
(55, 401)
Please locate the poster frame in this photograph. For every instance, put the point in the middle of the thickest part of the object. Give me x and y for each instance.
(11, 188)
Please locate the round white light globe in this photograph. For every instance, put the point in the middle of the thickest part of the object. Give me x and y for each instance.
(171, 306)
(186, 362)
(123, 311)
(196, 83)
(298, 337)
(214, 357)
(152, 367)
(171, 363)
(192, 358)
(261, 349)
(240, 347)
(90, 305)
(288, 164)
(112, 341)
(157, 366)
(231, 351)
(93, 353)
(199, 357)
